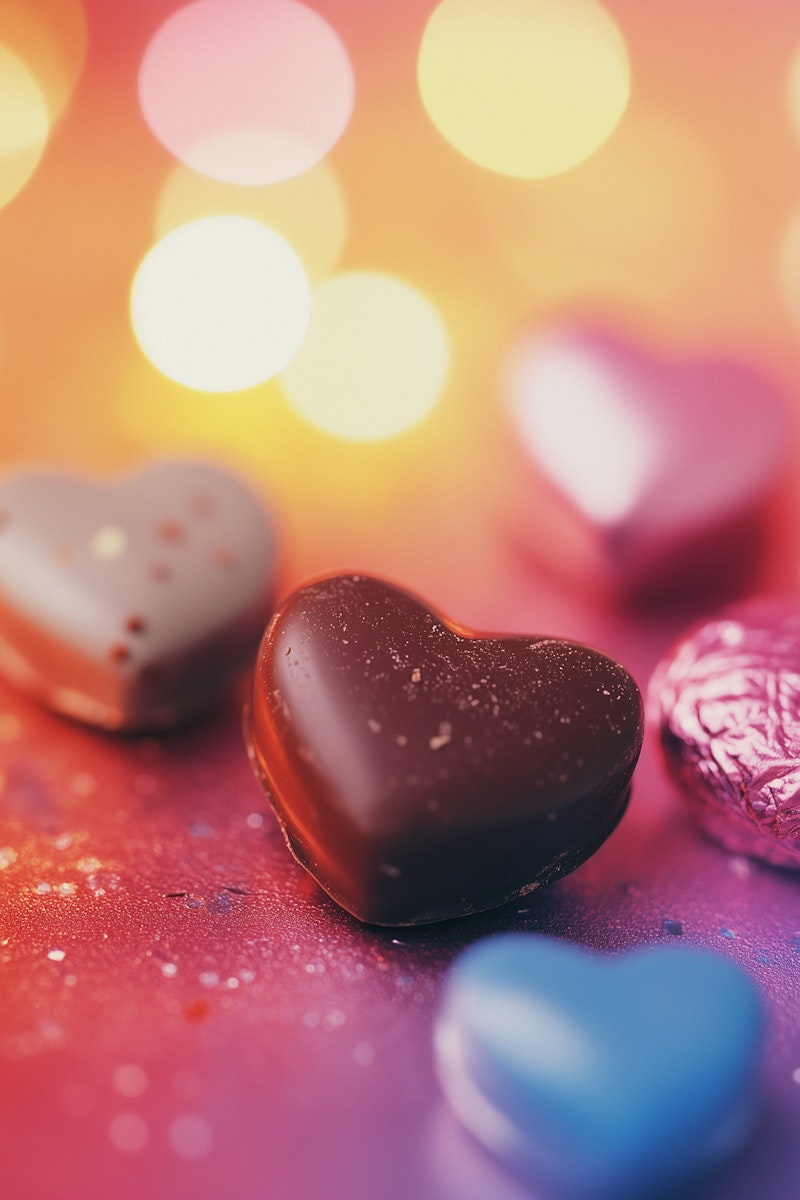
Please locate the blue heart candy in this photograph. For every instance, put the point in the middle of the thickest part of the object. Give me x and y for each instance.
(600, 1076)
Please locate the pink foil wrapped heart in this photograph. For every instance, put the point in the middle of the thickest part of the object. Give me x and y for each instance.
(726, 702)
(641, 476)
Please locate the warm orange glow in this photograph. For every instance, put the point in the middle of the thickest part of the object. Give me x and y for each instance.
(309, 211)
(50, 38)
(640, 220)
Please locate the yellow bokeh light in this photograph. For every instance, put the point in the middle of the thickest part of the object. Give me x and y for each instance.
(24, 124)
(374, 361)
(50, 36)
(527, 88)
(220, 304)
(308, 210)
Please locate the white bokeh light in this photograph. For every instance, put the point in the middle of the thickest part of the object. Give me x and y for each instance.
(220, 304)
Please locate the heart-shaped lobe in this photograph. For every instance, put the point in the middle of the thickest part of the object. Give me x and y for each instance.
(420, 771)
(640, 475)
(599, 1076)
(726, 703)
(130, 604)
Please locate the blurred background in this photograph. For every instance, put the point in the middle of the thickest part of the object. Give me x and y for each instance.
(304, 241)
(437, 187)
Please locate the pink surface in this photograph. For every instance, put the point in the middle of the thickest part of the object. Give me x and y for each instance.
(152, 917)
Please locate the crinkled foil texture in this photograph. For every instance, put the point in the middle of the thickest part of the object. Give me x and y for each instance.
(727, 706)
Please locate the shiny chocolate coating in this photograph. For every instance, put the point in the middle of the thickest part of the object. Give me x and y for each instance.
(726, 702)
(129, 604)
(420, 771)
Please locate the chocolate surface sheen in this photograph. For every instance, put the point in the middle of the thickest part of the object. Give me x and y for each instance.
(420, 771)
(130, 603)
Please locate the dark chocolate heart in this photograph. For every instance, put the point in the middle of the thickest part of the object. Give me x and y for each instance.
(129, 604)
(420, 771)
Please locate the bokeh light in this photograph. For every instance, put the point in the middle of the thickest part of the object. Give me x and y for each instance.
(309, 211)
(374, 361)
(642, 219)
(220, 304)
(527, 88)
(24, 124)
(50, 37)
(789, 268)
(257, 99)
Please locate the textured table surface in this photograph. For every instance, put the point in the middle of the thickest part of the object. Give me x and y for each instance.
(186, 1015)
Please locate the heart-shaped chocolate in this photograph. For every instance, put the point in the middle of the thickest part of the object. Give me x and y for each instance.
(640, 475)
(599, 1076)
(130, 604)
(726, 703)
(420, 771)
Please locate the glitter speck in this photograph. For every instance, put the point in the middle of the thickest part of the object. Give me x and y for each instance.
(363, 1054)
(254, 820)
(673, 927)
(130, 1080)
(739, 867)
(89, 864)
(190, 1136)
(10, 727)
(209, 979)
(8, 856)
(796, 1075)
(128, 1132)
(83, 784)
(108, 542)
(56, 955)
(168, 970)
(444, 736)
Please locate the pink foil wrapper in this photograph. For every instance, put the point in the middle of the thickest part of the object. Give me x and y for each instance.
(727, 705)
